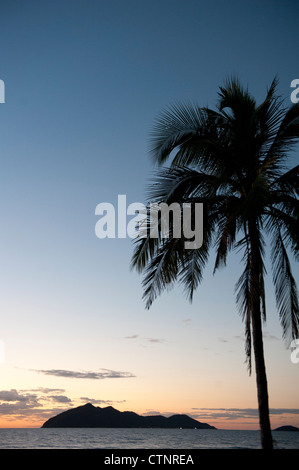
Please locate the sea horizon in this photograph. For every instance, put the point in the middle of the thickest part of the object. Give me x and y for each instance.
(140, 438)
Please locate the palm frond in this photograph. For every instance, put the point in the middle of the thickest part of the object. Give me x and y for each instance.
(198, 136)
(286, 137)
(235, 97)
(288, 182)
(179, 185)
(161, 271)
(191, 272)
(285, 288)
(244, 297)
(270, 112)
(144, 249)
(226, 238)
(175, 126)
(283, 214)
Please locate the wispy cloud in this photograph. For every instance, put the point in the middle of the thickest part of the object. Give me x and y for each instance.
(266, 335)
(237, 413)
(271, 337)
(149, 340)
(60, 399)
(155, 340)
(102, 374)
(151, 413)
(46, 390)
(100, 402)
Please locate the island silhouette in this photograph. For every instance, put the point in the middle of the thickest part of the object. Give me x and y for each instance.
(287, 428)
(89, 416)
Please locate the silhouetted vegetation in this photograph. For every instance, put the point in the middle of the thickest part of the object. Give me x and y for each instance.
(233, 160)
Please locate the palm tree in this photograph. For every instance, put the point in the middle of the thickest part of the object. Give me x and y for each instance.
(233, 160)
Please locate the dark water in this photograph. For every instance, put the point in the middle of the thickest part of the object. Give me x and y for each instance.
(100, 438)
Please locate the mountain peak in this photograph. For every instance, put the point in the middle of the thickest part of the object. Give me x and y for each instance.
(88, 405)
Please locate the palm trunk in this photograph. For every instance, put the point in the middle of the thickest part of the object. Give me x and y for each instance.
(261, 381)
(257, 336)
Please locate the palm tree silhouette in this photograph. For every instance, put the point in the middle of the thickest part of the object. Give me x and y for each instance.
(233, 160)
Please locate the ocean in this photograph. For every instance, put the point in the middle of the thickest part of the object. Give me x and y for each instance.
(108, 438)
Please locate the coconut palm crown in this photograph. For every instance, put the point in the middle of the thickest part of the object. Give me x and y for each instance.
(233, 160)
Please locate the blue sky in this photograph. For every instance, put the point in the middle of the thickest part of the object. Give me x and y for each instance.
(84, 81)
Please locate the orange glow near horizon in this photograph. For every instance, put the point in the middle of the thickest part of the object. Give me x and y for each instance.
(225, 423)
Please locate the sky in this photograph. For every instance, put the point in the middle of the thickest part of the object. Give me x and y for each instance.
(84, 82)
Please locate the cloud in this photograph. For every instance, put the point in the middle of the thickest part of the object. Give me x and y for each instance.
(46, 390)
(266, 336)
(152, 413)
(237, 413)
(150, 340)
(283, 411)
(60, 399)
(155, 340)
(38, 407)
(270, 337)
(24, 398)
(14, 402)
(158, 413)
(105, 374)
(227, 413)
(13, 395)
(100, 402)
